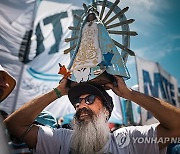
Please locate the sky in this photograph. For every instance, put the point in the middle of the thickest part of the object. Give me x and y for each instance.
(157, 23)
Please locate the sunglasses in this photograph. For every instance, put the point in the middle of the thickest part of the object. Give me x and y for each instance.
(88, 100)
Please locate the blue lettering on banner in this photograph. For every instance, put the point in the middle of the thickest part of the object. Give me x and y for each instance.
(29, 84)
(160, 83)
(55, 21)
(57, 31)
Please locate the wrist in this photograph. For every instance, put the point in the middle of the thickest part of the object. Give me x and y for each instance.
(57, 92)
(127, 94)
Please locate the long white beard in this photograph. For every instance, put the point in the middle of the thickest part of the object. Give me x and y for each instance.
(90, 137)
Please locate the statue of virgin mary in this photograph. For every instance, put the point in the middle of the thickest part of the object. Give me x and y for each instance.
(96, 53)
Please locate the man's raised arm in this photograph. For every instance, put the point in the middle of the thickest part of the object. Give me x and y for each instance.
(20, 122)
(167, 114)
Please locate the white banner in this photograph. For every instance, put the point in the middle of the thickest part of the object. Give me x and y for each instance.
(51, 22)
(155, 81)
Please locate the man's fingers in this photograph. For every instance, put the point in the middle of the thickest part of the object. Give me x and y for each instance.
(108, 86)
(119, 79)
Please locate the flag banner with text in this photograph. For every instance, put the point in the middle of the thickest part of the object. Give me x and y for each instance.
(155, 81)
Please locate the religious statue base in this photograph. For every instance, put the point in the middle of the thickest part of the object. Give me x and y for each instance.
(102, 79)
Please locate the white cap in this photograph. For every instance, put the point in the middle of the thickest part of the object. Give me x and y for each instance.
(10, 80)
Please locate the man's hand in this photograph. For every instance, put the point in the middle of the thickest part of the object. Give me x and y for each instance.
(120, 88)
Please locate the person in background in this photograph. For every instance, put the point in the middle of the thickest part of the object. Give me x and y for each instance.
(7, 84)
(90, 132)
(12, 144)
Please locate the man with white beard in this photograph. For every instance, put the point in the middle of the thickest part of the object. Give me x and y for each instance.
(91, 134)
(91, 131)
